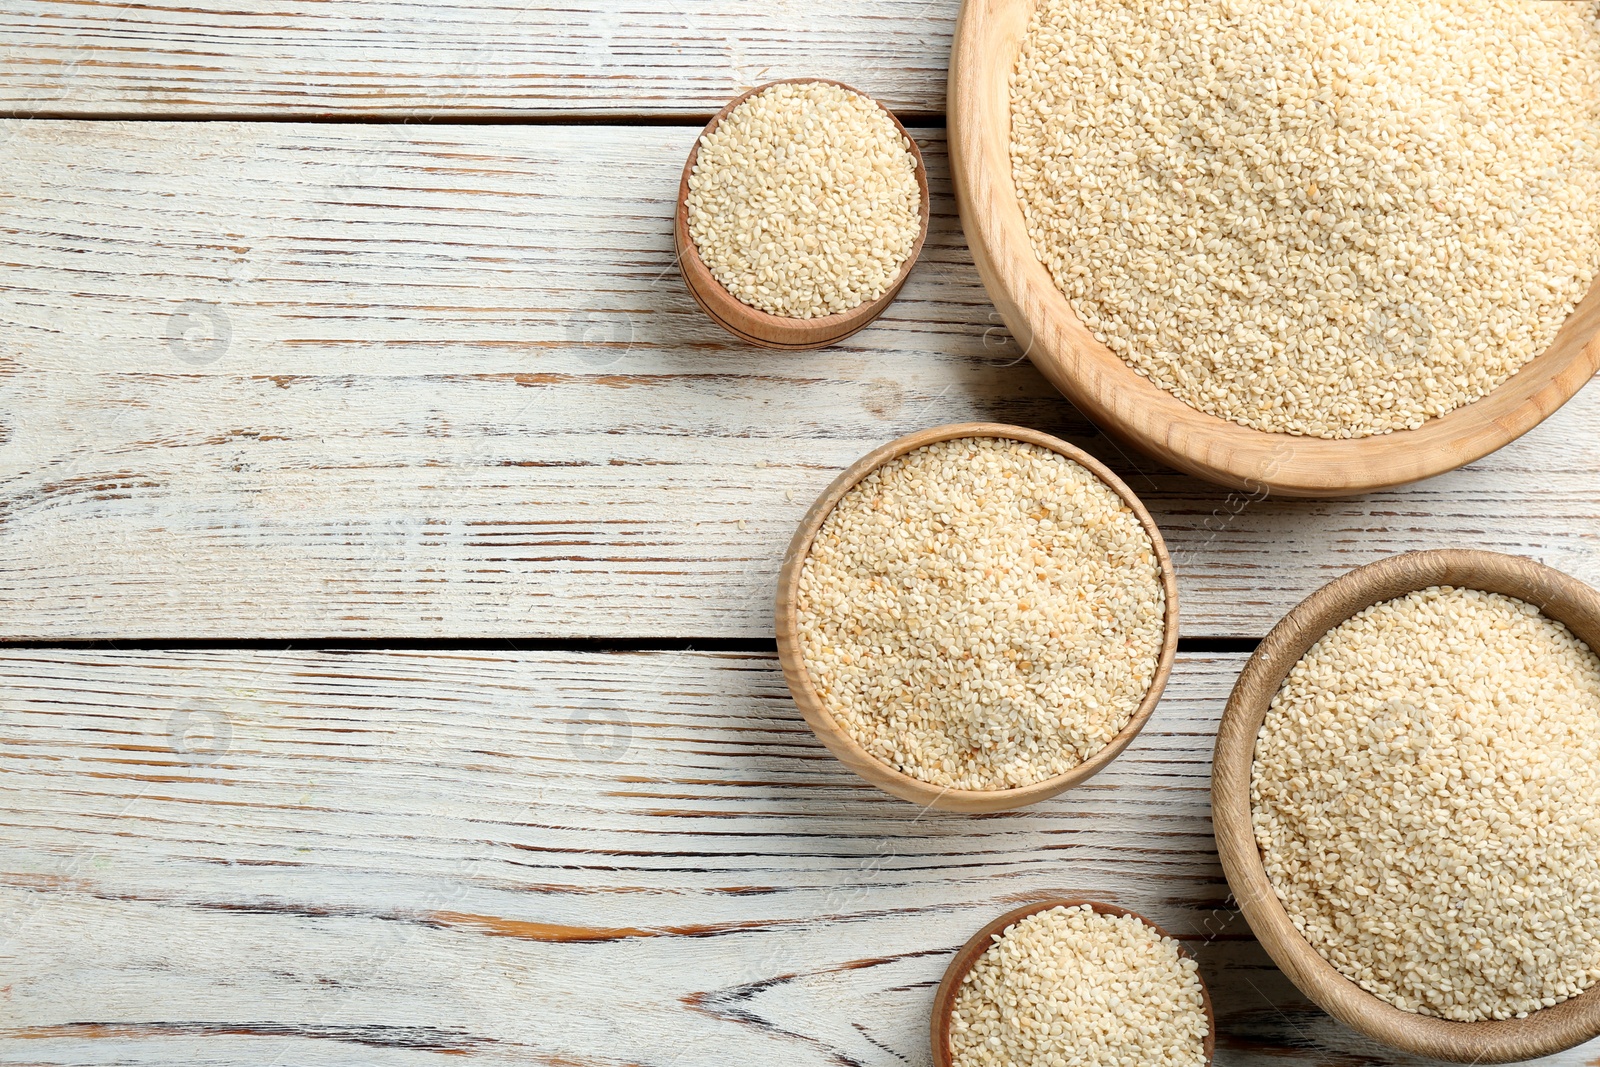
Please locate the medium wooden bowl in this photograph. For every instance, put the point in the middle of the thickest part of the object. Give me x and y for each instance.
(752, 324)
(1565, 599)
(944, 1001)
(1128, 406)
(842, 745)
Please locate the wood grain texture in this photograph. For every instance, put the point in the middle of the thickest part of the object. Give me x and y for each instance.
(343, 380)
(638, 858)
(1559, 596)
(469, 58)
(1136, 410)
(841, 743)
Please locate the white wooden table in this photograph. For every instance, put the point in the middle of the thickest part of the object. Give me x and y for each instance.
(387, 543)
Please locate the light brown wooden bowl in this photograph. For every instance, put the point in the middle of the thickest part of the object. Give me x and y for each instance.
(944, 1001)
(1563, 598)
(842, 745)
(1127, 405)
(752, 324)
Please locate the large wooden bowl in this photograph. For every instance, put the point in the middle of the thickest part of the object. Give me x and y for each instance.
(763, 328)
(842, 745)
(1128, 406)
(1565, 599)
(944, 1001)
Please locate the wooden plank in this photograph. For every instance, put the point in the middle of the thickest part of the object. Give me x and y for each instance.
(638, 858)
(470, 58)
(289, 380)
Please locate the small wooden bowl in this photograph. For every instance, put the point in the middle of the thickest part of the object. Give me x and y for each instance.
(1563, 598)
(1130, 407)
(842, 745)
(752, 324)
(944, 1001)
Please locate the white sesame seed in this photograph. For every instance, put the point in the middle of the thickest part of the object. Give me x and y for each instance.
(1335, 218)
(1072, 986)
(981, 613)
(804, 200)
(1426, 796)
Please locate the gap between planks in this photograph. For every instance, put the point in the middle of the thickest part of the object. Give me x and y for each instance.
(461, 644)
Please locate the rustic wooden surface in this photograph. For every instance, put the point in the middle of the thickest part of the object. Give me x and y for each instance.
(559, 858)
(282, 380)
(271, 381)
(469, 58)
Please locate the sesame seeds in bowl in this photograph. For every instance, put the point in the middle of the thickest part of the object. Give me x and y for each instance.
(1404, 795)
(976, 617)
(1072, 981)
(802, 208)
(1269, 222)
(1119, 184)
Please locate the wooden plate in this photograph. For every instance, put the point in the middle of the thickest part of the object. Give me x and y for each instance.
(944, 1001)
(752, 324)
(1562, 598)
(842, 745)
(989, 37)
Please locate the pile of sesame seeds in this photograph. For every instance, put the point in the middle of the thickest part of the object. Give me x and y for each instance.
(1072, 986)
(981, 613)
(804, 200)
(1335, 218)
(1426, 797)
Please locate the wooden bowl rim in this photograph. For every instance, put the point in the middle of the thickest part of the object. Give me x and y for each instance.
(1132, 408)
(824, 329)
(843, 745)
(968, 955)
(1561, 597)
